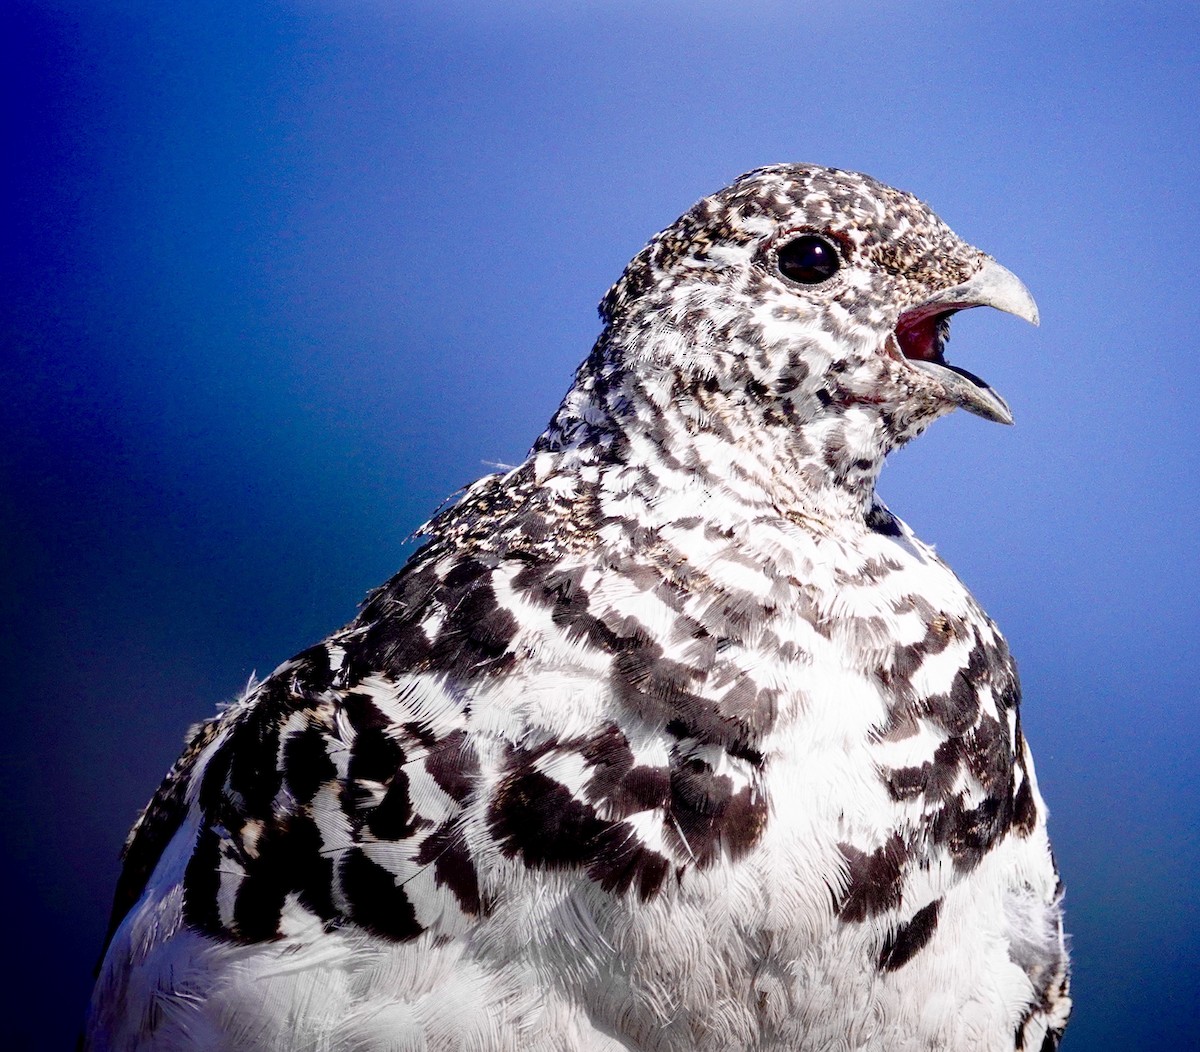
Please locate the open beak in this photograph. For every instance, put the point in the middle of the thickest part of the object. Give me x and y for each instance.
(923, 331)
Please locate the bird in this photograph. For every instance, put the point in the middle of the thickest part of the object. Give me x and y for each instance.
(671, 737)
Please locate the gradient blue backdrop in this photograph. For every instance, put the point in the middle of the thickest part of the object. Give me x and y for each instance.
(280, 277)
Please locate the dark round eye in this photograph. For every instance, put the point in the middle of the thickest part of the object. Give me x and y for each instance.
(808, 259)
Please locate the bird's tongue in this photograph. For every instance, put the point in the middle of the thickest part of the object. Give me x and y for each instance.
(920, 339)
(922, 336)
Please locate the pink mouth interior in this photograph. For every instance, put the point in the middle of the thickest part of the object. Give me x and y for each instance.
(922, 337)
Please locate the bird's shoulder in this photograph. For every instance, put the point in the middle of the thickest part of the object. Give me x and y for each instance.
(548, 683)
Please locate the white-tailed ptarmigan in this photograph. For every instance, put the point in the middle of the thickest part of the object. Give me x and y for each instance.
(671, 738)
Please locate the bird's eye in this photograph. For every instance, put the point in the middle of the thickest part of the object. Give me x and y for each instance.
(808, 259)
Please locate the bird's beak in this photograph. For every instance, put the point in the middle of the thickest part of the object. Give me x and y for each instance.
(991, 286)
(921, 335)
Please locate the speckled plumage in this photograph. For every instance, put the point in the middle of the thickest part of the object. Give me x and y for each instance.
(671, 738)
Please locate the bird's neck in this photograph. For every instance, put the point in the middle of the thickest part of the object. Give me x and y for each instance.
(669, 436)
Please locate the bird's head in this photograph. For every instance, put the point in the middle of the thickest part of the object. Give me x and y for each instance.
(804, 302)
(816, 290)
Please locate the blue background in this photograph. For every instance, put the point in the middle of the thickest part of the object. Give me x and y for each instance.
(279, 278)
